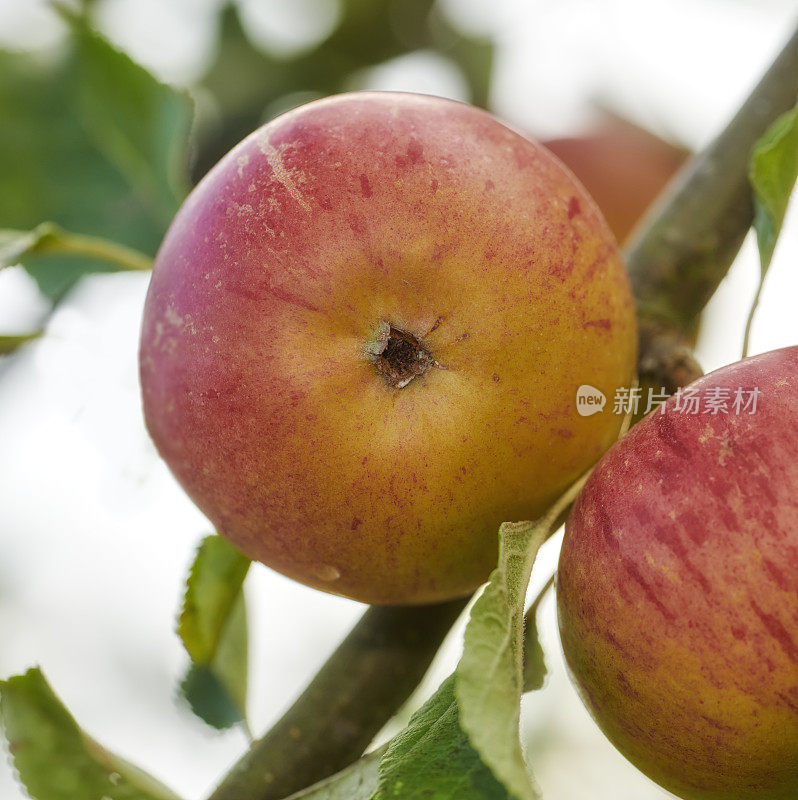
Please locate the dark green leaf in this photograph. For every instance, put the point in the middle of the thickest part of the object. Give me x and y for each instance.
(55, 759)
(432, 758)
(208, 697)
(213, 628)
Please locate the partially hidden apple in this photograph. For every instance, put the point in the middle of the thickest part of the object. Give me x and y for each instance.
(624, 168)
(363, 338)
(677, 587)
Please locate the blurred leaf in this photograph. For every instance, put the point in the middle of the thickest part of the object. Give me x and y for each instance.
(213, 628)
(773, 171)
(16, 245)
(433, 759)
(23, 246)
(217, 691)
(356, 782)
(55, 759)
(246, 81)
(474, 56)
(490, 672)
(70, 146)
(8, 344)
(139, 124)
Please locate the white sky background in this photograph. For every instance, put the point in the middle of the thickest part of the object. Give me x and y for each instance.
(95, 535)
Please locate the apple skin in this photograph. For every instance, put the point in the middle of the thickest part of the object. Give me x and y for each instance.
(677, 592)
(267, 296)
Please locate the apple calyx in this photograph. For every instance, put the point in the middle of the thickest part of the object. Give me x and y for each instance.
(399, 356)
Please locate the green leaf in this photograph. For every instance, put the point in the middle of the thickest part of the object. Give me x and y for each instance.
(55, 759)
(8, 344)
(534, 658)
(213, 628)
(490, 673)
(463, 743)
(773, 171)
(217, 691)
(357, 782)
(432, 758)
(68, 153)
(139, 124)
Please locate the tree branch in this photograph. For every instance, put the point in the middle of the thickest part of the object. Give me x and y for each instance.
(684, 247)
(362, 685)
(676, 259)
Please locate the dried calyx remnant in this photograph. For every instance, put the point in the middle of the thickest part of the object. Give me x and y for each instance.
(399, 356)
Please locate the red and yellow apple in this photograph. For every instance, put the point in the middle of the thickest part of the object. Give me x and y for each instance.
(363, 339)
(677, 588)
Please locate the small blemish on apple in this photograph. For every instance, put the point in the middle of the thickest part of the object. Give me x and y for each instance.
(414, 151)
(435, 325)
(365, 186)
(327, 572)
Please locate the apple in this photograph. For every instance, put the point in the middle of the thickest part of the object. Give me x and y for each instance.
(677, 588)
(363, 338)
(622, 166)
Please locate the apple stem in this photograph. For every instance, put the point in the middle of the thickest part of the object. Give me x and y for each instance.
(398, 356)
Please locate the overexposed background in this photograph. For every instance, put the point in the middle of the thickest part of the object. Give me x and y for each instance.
(95, 535)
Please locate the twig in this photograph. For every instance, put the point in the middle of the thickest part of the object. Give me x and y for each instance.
(357, 691)
(95, 247)
(685, 246)
(665, 359)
